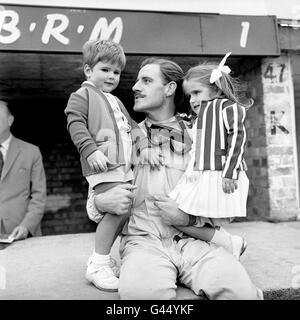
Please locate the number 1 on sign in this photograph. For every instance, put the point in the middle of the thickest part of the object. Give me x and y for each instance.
(244, 35)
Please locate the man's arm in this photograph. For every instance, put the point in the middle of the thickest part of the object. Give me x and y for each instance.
(172, 215)
(37, 202)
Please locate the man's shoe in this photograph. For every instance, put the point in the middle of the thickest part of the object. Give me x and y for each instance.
(239, 245)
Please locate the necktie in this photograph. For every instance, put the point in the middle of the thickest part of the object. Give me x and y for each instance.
(1, 161)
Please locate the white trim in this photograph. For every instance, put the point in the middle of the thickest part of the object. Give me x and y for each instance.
(213, 137)
(287, 9)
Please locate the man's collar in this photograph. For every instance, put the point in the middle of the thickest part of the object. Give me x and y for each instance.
(151, 121)
(5, 144)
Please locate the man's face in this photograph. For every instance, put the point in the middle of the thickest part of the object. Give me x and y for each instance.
(149, 89)
(6, 121)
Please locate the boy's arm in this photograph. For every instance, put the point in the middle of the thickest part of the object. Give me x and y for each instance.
(77, 114)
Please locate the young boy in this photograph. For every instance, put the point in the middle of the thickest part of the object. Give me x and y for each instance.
(104, 135)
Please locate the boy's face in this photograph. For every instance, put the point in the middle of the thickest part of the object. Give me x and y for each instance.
(104, 75)
(149, 89)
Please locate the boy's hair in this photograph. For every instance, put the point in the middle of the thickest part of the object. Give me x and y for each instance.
(230, 87)
(94, 51)
(170, 71)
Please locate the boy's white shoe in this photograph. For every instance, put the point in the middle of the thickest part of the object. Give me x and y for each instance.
(114, 267)
(102, 276)
(239, 245)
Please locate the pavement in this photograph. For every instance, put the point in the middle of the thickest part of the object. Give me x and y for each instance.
(53, 267)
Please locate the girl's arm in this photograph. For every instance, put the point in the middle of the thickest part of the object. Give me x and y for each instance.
(233, 118)
(204, 233)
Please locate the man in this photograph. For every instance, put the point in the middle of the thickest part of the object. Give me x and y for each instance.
(154, 253)
(22, 182)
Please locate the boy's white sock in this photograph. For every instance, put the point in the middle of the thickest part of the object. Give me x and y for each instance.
(100, 258)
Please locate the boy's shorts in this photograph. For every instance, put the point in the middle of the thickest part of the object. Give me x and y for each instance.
(93, 213)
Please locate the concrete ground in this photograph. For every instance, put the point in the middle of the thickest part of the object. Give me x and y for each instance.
(53, 267)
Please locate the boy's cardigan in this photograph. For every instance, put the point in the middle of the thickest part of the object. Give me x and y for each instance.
(92, 126)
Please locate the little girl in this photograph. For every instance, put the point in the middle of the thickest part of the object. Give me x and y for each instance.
(214, 187)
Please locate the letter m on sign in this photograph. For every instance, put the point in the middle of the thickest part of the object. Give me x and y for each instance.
(103, 31)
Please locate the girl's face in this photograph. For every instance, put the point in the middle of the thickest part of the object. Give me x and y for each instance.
(198, 92)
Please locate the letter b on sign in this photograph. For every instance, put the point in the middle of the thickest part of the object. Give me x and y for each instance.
(8, 22)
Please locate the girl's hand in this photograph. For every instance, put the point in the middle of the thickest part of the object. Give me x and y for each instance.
(98, 161)
(229, 185)
(151, 156)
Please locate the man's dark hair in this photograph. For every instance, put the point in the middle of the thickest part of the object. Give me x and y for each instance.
(170, 71)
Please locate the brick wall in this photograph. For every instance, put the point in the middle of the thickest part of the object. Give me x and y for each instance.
(258, 206)
(66, 191)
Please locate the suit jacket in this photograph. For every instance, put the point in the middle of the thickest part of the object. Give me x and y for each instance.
(22, 188)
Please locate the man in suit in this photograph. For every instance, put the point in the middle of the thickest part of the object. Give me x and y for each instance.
(22, 182)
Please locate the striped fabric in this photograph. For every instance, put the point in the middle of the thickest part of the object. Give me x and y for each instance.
(221, 138)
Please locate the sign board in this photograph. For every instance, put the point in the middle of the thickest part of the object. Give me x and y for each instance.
(31, 28)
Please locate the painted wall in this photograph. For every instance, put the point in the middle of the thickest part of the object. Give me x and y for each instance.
(279, 115)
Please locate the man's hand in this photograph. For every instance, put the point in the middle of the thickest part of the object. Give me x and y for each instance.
(19, 233)
(170, 214)
(229, 185)
(117, 200)
(98, 161)
(151, 156)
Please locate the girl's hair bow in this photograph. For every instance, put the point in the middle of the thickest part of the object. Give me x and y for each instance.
(217, 73)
